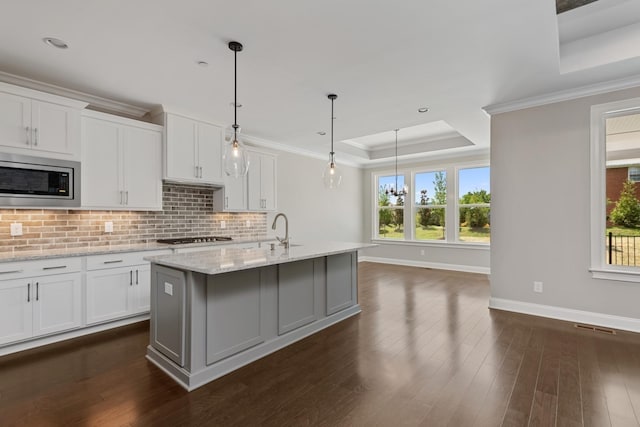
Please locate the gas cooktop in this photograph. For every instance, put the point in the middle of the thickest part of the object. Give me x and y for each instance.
(183, 240)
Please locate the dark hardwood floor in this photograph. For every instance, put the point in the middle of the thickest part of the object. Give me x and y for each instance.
(424, 351)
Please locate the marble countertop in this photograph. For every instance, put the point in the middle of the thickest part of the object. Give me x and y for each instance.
(222, 260)
(113, 249)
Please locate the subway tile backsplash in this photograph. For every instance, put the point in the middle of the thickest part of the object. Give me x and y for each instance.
(186, 212)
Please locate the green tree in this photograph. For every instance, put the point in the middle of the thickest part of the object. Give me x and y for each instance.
(475, 216)
(424, 214)
(627, 210)
(399, 213)
(440, 198)
(385, 216)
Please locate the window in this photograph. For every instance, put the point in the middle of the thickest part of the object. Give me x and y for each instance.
(390, 208)
(634, 173)
(474, 205)
(615, 210)
(437, 199)
(430, 206)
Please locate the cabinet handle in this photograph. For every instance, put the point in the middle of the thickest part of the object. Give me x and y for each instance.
(35, 131)
(37, 291)
(226, 202)
(112, 262)
(12, 271)
(121, 197)
(196, 172)
(130, 277)
(137, 277)
(126, 197)
(200, 171)
(54, 268)
(28, 292)
(28, 129)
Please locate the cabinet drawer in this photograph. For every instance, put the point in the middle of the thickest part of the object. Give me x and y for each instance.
(125, 259)
(44, 267)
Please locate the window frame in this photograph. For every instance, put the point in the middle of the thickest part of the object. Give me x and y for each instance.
(415, 206)
(451, 208)
(459, 205)
(599, 114)
(376, 187)
(637, 174)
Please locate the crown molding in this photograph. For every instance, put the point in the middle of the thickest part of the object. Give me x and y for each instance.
(94, 101)
(563, 95)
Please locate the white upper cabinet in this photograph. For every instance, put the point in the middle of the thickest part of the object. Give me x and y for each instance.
(262, 182)
(254, 192)
(39, 124)
(192, 151)
(121, 163)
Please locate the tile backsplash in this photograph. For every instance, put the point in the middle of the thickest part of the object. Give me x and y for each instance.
(186, 212)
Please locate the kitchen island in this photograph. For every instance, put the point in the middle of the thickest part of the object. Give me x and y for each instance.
(216, 310)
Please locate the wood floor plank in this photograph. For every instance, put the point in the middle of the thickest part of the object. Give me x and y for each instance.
(424, 351)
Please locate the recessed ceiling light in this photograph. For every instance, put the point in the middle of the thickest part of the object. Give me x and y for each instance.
(233, 104)
(321, 133)
(60, 44)
(203, 63)
(423, 109)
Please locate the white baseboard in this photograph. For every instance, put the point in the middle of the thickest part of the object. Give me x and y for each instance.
(567, 314)
(425, 264)
(75, 333)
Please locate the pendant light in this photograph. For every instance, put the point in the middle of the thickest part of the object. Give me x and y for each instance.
(235, 157)
(331, 175)
(393, 191)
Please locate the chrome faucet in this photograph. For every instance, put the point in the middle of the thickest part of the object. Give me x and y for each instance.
(283, 241)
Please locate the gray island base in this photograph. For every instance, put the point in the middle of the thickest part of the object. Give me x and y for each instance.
(217, 310)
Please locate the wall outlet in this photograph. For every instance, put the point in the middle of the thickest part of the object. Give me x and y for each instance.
(537, 287)
(168, 288)
(248, 223)
(108, 227)
(16, 229)
(223, 224)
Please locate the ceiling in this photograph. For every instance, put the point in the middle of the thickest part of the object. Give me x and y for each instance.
(385, 60)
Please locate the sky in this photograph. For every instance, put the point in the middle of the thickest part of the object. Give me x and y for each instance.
(470, 180)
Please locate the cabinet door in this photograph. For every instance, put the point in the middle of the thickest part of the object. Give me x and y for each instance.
(108, 293)
(233, 313)
(101, 177)
(140, 296)
(268, 182)
(142, 168)
(15, 121)
(210, 153)
(235, 193)
(253, 184)
(15, 311)
(53, 128)
(341, 281)
(296, 295)
(181, 148)
(57, 304)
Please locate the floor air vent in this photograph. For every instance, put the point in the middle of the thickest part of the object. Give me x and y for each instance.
(595, 329)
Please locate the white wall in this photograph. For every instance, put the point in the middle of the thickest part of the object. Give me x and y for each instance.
(314, 212)
(540, 195)
(436, 256)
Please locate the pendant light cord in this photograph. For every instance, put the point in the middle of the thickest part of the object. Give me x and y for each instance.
(396, 189)
(332, 152)
(235, 95)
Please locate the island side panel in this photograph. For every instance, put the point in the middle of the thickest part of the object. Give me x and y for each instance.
(168, 312)
(296, 295)
(196, 332)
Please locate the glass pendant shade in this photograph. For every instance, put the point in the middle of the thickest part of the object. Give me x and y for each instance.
(235, 157)
(331, 176)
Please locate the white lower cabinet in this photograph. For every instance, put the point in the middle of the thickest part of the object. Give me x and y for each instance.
(36, 306)
(117, 292)
(118, 285)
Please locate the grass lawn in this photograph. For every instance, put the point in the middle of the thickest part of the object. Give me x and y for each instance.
(434, 232)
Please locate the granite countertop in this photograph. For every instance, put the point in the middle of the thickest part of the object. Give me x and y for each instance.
(113, 249)
(221, 259)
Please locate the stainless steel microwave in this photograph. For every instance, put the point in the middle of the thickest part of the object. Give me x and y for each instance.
(27, 181)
